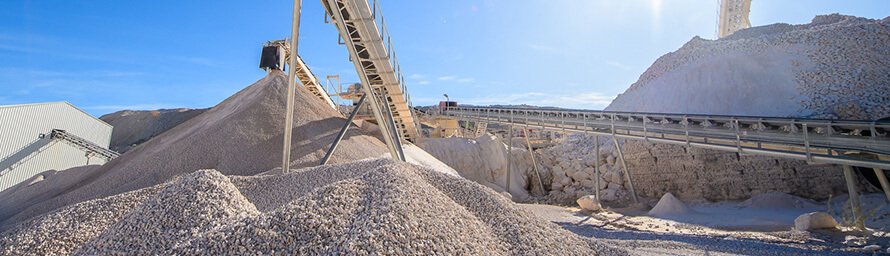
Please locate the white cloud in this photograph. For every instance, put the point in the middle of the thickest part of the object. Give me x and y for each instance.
(423, 82)
(618, 65)
(466, 80)
(581, 100)
(544, 48)
(447, 78)
(416, 76)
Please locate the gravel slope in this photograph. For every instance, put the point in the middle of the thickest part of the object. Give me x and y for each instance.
(240, 136)
(375, 206)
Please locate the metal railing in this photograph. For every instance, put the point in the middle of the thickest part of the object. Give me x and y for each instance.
(856, 143)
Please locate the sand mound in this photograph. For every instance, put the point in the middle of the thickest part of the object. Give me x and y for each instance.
(134, 127)
(367, 207)
(778, 200)
(669, 205)
(240, 136)
(834, 67)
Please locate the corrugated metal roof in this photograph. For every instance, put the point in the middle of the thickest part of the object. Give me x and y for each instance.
(54, 103)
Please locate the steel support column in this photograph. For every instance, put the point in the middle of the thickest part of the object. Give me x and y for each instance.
(343, 130)
(630, 184)
(291, 83)
(853, 192)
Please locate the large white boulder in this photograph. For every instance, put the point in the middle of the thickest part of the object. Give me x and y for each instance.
(814, 221)
(589, 203)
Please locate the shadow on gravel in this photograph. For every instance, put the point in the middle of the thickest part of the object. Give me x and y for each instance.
(630, 239)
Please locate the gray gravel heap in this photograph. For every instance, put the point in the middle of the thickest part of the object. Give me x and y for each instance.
(180, 211)
(240, 136)
(373, 206)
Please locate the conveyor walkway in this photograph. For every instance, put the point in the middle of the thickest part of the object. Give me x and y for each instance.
(363, 28)
(854, 143)
(83, 144)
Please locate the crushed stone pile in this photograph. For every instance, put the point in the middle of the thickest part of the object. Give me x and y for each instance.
(240, 136)
(375, 206)
(134, 127)
(669, 205)
(484, 160)
(837, 66)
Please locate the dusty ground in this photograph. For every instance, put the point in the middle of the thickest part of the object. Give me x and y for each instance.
(644, 235)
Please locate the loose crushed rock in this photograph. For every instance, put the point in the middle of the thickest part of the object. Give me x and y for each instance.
(375, 206)
(836, 67)
(239, 136)
(181, 210)
(65, 230)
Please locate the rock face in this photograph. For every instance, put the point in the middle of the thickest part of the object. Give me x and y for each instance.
(134, 127)
(813, 221)
(364, 207)
(240, 136)
(693, 174)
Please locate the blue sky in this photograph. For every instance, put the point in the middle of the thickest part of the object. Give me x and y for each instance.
(108, 55)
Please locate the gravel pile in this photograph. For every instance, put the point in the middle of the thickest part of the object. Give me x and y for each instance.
(375, 206)
(835, 67)
(240, 136)
(134, 127)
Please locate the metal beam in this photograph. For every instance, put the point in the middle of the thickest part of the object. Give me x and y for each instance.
(853, 193)
(291, 93)
(343, 130)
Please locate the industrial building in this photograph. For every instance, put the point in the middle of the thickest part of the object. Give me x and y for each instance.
(35, 138)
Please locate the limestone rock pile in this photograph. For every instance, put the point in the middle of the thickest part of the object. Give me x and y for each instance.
(834, 67)
(570, 174)
(373, 206)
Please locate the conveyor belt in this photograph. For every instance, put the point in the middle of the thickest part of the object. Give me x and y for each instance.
(361, 24)
(846, 142)
(83, 144)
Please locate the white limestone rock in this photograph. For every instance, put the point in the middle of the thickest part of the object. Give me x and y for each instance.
(589, 203)
(813, 221)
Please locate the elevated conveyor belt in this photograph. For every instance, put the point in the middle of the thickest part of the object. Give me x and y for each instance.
(83, 144)
(311, 83)
(362, 26)
(854, 143)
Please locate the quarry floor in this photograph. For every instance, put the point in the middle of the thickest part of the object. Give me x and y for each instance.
(715, 229)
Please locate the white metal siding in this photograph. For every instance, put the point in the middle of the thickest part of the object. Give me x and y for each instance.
(21, 126)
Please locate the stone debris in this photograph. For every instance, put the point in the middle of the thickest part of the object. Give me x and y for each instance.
(239, 136)
(568, 169)
(373, 206)
(813, 221)
(669, 205)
